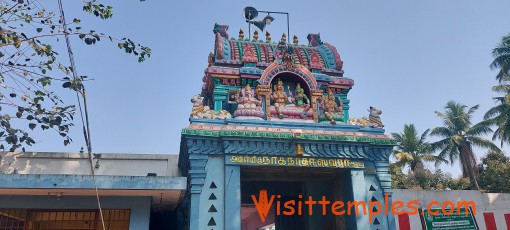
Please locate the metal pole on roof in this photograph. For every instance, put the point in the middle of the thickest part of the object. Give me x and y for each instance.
(249, 26)
(288, 29)
(270, 12)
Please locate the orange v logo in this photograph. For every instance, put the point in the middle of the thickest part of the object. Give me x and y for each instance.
(262, 204)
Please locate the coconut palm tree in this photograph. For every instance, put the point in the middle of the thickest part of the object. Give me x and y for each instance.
(413, 150)
(502, 58)
(458, 136)
(500, 114)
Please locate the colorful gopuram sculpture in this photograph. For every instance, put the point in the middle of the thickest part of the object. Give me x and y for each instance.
(333, 112)
(277, 81)
(302, 100)
(280, 100)
(201, 111)
(267, 108)
(248, 105)
(372, 121)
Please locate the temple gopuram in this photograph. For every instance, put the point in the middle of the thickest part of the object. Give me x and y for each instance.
(271, 126)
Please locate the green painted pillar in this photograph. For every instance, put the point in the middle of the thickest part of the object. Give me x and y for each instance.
(346, 107)
(219, 97)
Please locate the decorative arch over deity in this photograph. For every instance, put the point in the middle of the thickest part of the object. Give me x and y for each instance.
(251, 79)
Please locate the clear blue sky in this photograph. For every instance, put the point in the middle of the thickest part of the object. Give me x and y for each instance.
(407, 58)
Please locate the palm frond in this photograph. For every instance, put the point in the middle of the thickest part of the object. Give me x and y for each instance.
(473, 109)
(446, 121)
(481, 128)
(424, 136)
(404, 156)
(502, 88)
(501, 60)
(441, 144)
(441, 132)
(483, 143)
(494, 111)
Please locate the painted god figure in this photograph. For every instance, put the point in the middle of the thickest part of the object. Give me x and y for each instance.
(300, 97)
(280, 97)
(332, 111)
(301, 100)
(200, 110)
(290, 105)
(248, 105)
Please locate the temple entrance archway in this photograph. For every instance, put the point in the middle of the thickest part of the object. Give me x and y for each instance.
(288, 187)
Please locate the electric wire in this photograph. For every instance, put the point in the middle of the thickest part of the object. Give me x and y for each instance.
(84, 119)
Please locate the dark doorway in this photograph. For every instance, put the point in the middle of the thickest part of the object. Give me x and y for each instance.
(284, 184)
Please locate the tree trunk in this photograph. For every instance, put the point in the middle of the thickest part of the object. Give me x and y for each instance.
(412, 166)
(468, 162)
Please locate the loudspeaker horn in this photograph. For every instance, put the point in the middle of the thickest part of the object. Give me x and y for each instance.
(260, 24)
(250, 13)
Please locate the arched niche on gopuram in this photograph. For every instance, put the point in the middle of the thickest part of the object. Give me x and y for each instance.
(290, 93)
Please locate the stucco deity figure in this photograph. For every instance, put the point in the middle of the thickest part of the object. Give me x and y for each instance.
(280, 98)
(248, 105)
(372, 121)
(202, 111)
(300, 97)
(332, 111)
(301, 100)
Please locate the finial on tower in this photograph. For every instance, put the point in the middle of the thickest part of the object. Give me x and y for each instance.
(284, 38)
(268, 36)
(241, 34)
(295, 40)
(299, 150)
(256, 35)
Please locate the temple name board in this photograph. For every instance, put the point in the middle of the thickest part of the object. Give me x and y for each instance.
(293, 161)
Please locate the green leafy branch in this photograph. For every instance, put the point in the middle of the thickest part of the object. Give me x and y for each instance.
(29, 66)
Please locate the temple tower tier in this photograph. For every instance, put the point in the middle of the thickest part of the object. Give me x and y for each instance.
(270, 130)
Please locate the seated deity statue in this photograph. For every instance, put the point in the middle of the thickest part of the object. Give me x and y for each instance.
(333, 112)
(280, 98)
(301, 100)
(289, 106)
(248, 105)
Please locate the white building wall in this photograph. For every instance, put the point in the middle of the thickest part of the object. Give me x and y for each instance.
(79, 164)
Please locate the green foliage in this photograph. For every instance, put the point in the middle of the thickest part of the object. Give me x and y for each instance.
(412, 150)
(501, 61)
(495, 172)
(397, 177)
(500, 114)
(30, 67)
(424, 179)
(458, 135)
